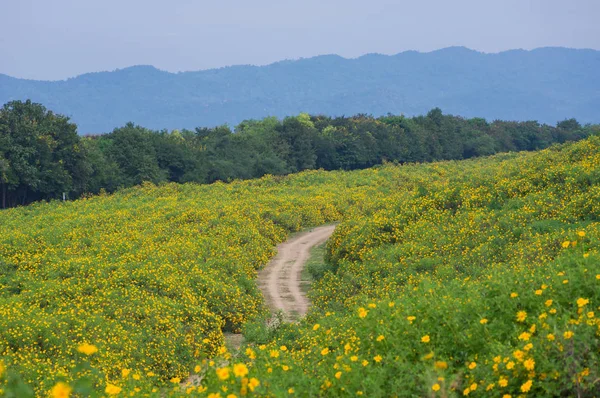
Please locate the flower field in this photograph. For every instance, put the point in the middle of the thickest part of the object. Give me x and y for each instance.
(470, 278)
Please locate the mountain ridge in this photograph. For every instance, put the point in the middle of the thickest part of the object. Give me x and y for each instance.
(547, 84)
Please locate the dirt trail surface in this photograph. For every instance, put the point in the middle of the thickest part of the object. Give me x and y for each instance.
(280, 279)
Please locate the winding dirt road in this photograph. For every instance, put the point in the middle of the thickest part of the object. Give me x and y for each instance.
(280, 279)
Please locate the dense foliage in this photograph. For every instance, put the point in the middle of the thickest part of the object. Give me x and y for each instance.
(41, 157)
(546, 84)
(475, 278)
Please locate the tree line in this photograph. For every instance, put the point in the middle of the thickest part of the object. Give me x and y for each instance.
(42, 157)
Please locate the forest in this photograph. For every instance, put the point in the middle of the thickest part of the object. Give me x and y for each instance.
(42, 157)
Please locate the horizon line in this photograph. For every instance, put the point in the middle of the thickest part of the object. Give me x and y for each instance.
(299, 59)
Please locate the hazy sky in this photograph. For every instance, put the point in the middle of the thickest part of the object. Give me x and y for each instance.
(56, 39)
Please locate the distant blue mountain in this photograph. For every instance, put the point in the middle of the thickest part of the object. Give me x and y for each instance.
(546, 84)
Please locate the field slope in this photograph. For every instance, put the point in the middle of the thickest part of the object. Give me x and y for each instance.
(477, 277)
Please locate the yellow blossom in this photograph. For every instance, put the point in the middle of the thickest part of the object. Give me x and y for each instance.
(581, 302)
(222, 373)
(253, 383)
(526, 386)
(440, 365)
(240, 370)
(111, 389)
(87, 349)
(61, 390)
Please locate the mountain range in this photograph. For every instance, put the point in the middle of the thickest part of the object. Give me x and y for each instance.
(545, 84)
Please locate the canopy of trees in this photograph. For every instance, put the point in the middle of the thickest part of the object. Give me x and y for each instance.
(42, 157)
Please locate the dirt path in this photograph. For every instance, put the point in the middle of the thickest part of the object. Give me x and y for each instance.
(280, 279)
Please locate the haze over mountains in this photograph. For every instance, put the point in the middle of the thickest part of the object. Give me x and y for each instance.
(545, 84)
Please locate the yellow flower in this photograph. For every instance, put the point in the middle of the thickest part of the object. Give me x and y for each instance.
(197, 368)
(548, 303)
(528, 347)
(380, 337)
(483, 321)
(274, 354)
(377, 358)
(524, 336)
(253, 383)
(354, 358)
(325, 351)
(175, 380)
(526, 386)
(507, 396)
(440, 365)
(250, 353)
(503, 382)
(111, 389)
(362, 312)
(316, 327)
(513, 295)
(411, 318)
(60, 390)
(338, 375)
(581, 234)
(425, 339)
(510, 365)
(87, 349)
(472, 365)
(391, 304)
(568, 334)
(125, 372)
(566, 244)
(521, 316)
(214, 395)
(2, 367)
(372, 305)
(285, 368)
(290, 390)
(222, 373)
(519, 354)
(240, 370)
(365, 362)
(529, 364)
(539, 292)
(435, 387)
(550, 337)
(581, 302)
(590, 314)
(283, 348)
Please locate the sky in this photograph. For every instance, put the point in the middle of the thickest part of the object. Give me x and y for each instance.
(57, 39)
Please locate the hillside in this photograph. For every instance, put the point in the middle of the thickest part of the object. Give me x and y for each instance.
(443, 279)
(547, 84)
